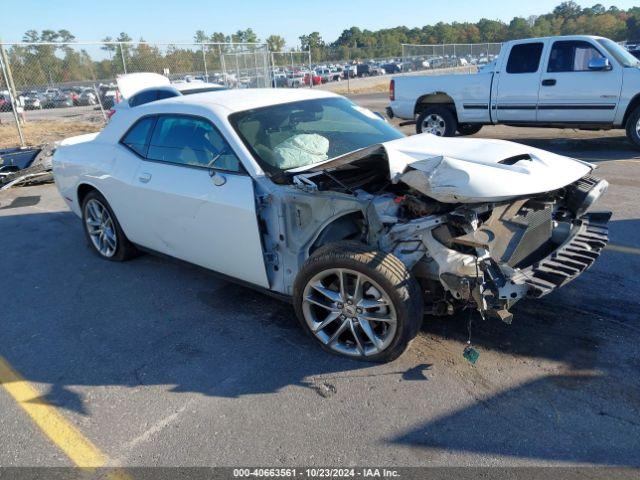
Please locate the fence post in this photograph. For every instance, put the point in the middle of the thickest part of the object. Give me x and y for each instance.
(310, 71)
(223, 64)
(204, 61)
(272, 69)
(8, 80)
(124, 64)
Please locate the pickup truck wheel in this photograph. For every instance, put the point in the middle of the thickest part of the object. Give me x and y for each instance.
(358, 302)
(439, 121)
(103, 232)
(633, 127)
(469, 128)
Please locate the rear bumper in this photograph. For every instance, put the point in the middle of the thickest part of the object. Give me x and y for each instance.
(583, 246)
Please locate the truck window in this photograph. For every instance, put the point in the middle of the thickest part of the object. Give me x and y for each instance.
(524, 58)
(571, 56)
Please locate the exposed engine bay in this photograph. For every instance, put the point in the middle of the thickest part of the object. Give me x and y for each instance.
(468, 253)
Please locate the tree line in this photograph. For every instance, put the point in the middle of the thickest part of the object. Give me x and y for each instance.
(37, 64)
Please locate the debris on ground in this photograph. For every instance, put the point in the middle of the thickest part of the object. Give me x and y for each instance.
(26, 166)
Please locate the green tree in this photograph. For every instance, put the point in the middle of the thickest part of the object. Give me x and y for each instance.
(275, 43)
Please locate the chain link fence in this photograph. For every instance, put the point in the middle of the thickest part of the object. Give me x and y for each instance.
(54, 90)
(49, 90)
(423, 57)
(291, 69)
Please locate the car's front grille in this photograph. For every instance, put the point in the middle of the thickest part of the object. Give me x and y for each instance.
(571, 259)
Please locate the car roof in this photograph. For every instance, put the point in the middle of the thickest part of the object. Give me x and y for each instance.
(238, 100)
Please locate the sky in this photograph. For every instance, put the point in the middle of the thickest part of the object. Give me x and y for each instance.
(177, 20)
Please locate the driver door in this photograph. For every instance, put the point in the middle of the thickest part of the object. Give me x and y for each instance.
(195, 202)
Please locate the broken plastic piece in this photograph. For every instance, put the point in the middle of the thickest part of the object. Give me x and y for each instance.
(471, 354)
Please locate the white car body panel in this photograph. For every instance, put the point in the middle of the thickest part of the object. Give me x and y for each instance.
(467, 170)
(261, 228)
(184, 199)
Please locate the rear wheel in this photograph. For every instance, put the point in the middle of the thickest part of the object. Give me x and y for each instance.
(633, 127)
(469, 128)
(437, 120)
(103, 232)
(358, 302)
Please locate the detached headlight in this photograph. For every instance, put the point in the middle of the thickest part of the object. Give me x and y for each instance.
(582, 194)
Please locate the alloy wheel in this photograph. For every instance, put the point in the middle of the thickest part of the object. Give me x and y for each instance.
(101, 228)
(349, 312)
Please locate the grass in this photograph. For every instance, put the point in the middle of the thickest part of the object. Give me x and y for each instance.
(45, 131)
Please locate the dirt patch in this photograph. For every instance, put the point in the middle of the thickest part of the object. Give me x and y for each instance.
(37, 133)
(343, 89)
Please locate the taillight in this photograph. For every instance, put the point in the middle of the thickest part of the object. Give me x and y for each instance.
(110, 113)
(392, 90)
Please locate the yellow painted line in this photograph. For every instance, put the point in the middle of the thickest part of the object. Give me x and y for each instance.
(623, 249)
(60, 431)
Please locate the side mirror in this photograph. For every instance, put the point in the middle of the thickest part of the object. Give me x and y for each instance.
(599, 64)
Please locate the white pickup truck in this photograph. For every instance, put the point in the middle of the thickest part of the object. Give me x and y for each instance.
(576, 81)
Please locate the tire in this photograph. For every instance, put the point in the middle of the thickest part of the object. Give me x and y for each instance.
(124, 250)
(633, 123)
(443, 120)
(469, 128)
(341, 323)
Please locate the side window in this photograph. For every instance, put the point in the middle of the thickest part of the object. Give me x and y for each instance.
(571, 56)
(191, 141)
(137, 138)
(524, 58)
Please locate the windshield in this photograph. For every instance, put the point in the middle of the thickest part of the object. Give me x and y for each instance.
(619, 53)
(298, 134)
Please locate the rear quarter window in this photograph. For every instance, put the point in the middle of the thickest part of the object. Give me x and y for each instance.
(524, 58)
(137, 138)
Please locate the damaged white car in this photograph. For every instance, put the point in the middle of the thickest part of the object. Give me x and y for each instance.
(307, 195)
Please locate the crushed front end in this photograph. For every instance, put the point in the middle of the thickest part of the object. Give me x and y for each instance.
(488, 256)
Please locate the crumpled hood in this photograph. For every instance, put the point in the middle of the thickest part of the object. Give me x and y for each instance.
(470, 170)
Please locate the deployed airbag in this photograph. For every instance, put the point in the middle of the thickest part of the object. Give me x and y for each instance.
(302, 149)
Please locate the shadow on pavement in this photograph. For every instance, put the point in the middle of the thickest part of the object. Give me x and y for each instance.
(76, 320)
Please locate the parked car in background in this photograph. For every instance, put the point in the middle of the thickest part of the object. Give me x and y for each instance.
(5, 102)
(87, 97)
(349, 71)
(33, 100)
(363, 70)
(189, 88)
(109, 97)
(376, 69)
(336, 74)
(577, 81)
(312, 77)
(295, 79)
(63, 100)
(325, 74)
(362, 228)
(392, 68)
(279, 80)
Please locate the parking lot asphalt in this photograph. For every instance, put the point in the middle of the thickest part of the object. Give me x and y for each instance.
(158, 363)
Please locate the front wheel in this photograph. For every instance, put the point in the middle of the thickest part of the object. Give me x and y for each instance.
(633, 128)
(439, 121)
(358, 302)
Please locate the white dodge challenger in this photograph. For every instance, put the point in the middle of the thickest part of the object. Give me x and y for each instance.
(305, 194)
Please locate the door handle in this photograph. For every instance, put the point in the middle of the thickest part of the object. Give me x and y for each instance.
(144, 177)
(549, 82)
